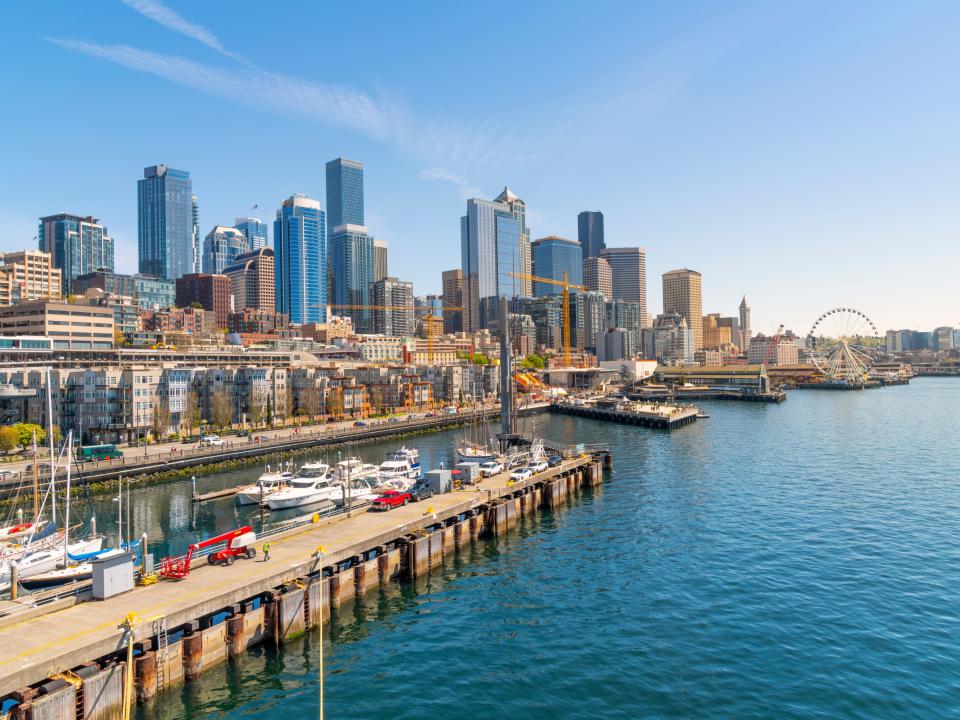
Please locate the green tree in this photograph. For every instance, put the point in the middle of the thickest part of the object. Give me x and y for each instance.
(533, 362)
(25, 433)
(9, 438)
(479, 359)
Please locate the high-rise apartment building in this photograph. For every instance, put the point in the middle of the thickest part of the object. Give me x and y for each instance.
(76, 245)
(380, 259)
(168, 236)
(683, 294)
(395, 314)
(598, 276)
(490, 252)
(212, 292)
(253, 280)
(299, 243)
(715, 334)
(556, 258)
(221, 247)
(590, 233)
(453, 298)
(518, 208)
(28, 275)
(255, 230)
(344, 193)
(351, 248)
(744, 324)
(672, 339)
(628, 268)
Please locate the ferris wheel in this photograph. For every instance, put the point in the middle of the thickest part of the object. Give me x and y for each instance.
(841, 345)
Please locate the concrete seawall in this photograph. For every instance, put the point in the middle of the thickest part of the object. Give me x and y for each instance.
(186, 627)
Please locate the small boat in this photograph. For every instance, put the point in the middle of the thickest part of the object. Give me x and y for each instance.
(75, 572)
(476, 445)
(402, 464)
(46, 560)
(14, 532)
(702, 415)
(304, 491)
(265, 486)
(362, 490)
(470, 452)
(352, 469)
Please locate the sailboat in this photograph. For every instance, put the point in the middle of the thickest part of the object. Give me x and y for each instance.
(476, 447)
(24, 528)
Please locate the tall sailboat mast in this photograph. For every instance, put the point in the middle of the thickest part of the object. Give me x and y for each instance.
(53, 473)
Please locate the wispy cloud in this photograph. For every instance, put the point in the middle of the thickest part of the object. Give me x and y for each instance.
(331, 104)
(464, 186)
(170, 19)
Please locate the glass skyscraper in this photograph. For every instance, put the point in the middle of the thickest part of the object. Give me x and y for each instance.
(552, 257)
(344, 193)
(167, 237)
(301, 260)
(255, 231)
(77, 245)
(490, 238)
(352, 253)
(221, 247)
(590, 233)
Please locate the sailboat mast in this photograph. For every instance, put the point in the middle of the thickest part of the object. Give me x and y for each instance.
(36, 507)
(66, 520)
(53, 474)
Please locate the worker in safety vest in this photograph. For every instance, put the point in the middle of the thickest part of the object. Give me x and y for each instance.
(266, 551)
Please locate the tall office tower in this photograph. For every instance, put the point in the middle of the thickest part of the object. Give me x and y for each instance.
(518, 209)
(744, 324)
(555, 257)
(598, 276)
(77, 245)
(590, 233)
(253, 280)
(28, 275)
(490, 250)
(628, 267)
(344, 193)
(452, 298)
(351, 249)
(396, 316)
(221, 247)
(255, 230)
(379, 259)
(594, 317)
(300, 260)
(683, 294)
(167, 214)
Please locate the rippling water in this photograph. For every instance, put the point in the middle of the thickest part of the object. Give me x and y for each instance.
(788, 561)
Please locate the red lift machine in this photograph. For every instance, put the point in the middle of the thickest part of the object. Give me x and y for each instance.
(239, 544)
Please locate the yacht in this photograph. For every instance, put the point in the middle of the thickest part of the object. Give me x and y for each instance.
(363, 489)
(401, 465)
(313, 470)
(301, 491)
(267, 484)
(353, 468)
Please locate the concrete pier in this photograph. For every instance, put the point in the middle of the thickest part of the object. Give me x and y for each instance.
(654, 415)
(62, 663)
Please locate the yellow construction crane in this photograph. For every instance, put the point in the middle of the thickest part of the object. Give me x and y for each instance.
(407, 308)
(567, 287)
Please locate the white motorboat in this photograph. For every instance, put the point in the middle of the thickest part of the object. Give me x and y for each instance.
(353, 469)
(304, 491)
(362, 490)
(265, 486)
(402, 464)
(313, 470)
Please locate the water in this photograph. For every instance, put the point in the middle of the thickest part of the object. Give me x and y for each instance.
(791, 561)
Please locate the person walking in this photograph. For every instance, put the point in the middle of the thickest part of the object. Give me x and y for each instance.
(266, 551)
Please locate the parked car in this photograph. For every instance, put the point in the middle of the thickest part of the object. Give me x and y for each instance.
(521, 473)
(243, 433)
(491, 468)
(7, 474)
(554, 460)
(390, 499)
(187, 439)
(211, 441)
(421, 491)
(394, 420)
(538, 466)
(359, 423)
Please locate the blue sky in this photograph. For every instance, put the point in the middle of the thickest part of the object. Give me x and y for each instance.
(805, 154)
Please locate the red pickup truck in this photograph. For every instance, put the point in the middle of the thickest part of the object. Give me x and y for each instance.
(391, 499)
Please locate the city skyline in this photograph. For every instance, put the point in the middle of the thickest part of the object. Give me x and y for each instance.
(797, 154)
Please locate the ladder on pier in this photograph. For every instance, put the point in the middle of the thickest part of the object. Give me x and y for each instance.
(160, 631)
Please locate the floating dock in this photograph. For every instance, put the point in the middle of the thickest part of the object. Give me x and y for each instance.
(666, 416)
(70, 662)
